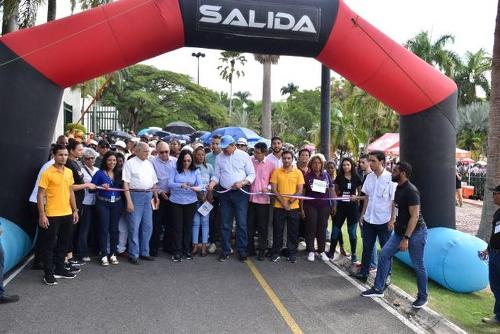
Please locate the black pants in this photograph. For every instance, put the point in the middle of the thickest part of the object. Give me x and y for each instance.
(55, 241)
(38, 242)
(182, 226)
(160, 219)
(316, 221)
(291, 219)
(340, 238)
(214, 222)
(258, 215)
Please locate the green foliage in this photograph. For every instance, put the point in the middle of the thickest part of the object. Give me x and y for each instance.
(472, 128)
(74, 126)
(146, 96)
(290, 88)
(229, 67)
(470, 74)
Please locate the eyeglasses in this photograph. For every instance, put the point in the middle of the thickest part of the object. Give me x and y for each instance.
(89, 158)
(163, 152)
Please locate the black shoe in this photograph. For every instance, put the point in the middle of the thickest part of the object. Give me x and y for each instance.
(188, 256)
(261, 255)
(372, 292)
(147, 258)
(360, 277)
(71, 268)
(5, 299)
(419, 303)
(153, 254)
(275, 258)
(76, 262)
(133, 260)
(242, 258)
(177, 258)
(284, 252)
(292, 259)
(49, 279)
(66, 274)
(223, 257)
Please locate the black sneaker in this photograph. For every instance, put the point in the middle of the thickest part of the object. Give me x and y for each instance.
(66, 274)
(146, 258)
(292, 259)
(177, 258)
(72, 269)
(372, 292)
(223, 257)
(188, 256)
(360, 277)
(242, 258)
(419, 303)
(76, 262)
(49, 279)
(262, 255)
(275, 258)
(5, 299)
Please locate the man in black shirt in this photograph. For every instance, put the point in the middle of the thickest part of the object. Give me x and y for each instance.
(410, 233)
(493, 252)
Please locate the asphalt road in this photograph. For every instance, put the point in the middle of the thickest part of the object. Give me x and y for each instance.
(200, 296)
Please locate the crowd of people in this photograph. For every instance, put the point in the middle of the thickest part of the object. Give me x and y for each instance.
(146, 195)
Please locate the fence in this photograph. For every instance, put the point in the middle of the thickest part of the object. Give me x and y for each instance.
(102, 119)
(478, 182)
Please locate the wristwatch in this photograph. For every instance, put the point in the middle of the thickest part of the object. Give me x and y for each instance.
(407, 237)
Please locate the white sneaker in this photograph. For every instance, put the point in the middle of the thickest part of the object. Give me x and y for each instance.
(86, 259)
(324, 257)
(212, 248)
(104, 261)
(311, 257)
(301, 246)
(113, 260)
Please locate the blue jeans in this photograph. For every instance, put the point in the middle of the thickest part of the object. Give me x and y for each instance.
(109, 216)
(370, 233)
(374, 259)
(198, 220)
(416, 246)
(234, 204)
(1, 268)
(494, 268)
(140, 224)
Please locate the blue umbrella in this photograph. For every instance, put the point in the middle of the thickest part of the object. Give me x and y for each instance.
(237, 132)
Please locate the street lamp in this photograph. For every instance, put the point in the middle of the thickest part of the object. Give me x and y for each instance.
(198, 55)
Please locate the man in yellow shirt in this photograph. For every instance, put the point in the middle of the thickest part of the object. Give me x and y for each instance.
(287, 180)
(56, 215)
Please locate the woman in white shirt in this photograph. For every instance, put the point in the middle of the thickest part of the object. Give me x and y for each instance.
(88, 208)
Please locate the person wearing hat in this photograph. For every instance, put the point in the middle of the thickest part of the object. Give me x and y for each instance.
(121, 146)
(242, 144)
(493, 252)
(102, 148)
(233, 171)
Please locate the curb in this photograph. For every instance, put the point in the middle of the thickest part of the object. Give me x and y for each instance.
(428, 319)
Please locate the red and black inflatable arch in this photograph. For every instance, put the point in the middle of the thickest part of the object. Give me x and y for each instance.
(37, 64)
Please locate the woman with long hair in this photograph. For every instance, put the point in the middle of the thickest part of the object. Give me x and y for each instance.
(319, 185)
(184, 182)
(347, 183)
(109, 206)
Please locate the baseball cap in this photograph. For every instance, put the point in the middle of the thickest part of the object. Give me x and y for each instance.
(121, 144)
(93, 142)
(242, 141)
(496, 189)
(225, 141)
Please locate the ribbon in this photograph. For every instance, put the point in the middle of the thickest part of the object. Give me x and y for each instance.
(343, 198)
(132, 190)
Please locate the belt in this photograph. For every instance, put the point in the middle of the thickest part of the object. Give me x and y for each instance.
(109, 199)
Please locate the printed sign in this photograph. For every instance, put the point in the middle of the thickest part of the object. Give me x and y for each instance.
(205, 209)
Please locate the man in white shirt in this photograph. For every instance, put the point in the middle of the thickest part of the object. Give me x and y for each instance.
(139, 174)
(378, 215)
(233, 170)
(277, 148)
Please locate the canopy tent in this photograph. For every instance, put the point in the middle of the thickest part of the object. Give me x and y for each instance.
(462, 154)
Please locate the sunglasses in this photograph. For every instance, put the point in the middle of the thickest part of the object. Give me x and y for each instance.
(163, 152)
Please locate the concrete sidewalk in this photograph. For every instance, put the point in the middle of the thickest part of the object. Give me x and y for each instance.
(197, 296)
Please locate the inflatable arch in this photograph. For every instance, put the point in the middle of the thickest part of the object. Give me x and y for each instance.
(37, 64)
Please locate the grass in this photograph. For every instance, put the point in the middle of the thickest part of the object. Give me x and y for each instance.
(465, 310)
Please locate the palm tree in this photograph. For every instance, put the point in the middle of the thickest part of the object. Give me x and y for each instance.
(266, 61)
(493, 169)
(472, 128)
(87, 4)
(470, 74)
(434, 53)
(10, 9)
(290, 88)
(228, 69)
(51, 10)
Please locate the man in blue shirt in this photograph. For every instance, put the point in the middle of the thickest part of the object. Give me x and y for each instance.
(4, 299)
(233, 171)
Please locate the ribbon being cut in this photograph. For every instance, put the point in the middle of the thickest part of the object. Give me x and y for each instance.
(344, 198)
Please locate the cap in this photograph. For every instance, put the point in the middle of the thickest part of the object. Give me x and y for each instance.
(242, 141)
(93, 142)
(103, 144)
(121, 144)
(225, 141)
(187, 148)
(496, 189)
(135, 140)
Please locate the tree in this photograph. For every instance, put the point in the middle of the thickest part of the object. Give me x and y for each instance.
(493, 168)
(51, 10)
(87, 4)
(471, 74)
(228, 69)
(472, 128)
(266, 61)
(434, 53)
(290, 88)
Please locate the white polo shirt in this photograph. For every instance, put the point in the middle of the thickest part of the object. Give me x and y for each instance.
(278, 163)
(380, 191)
(139, 174)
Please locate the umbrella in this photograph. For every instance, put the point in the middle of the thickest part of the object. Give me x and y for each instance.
(198, 135)
(184, 139)
(467, 160)
(120, 134)
(179, 128)
(237, 132)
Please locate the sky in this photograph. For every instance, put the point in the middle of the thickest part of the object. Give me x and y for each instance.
(471, 22)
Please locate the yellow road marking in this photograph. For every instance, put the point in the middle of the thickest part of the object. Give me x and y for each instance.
(294, 327)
